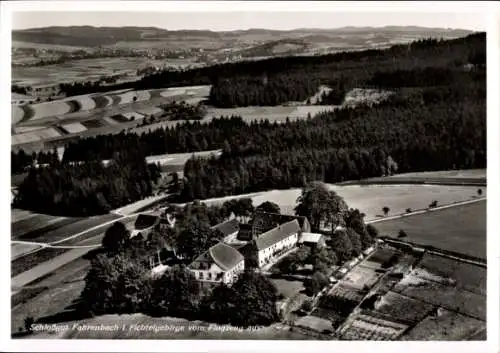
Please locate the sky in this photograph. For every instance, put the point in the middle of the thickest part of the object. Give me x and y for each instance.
(223, 21)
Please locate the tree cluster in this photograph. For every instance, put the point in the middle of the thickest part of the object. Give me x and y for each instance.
(240, 91)
(88, 188)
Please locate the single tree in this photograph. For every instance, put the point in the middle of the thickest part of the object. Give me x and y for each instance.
(479, 192)
(115, 237)
(115, 285)
(175, 293)
(433, 204)
(268, 206)
(408, 210)
(254, 300)
(317, 282)
(341, 244)
(322, 207)
(251, 255)
(28, 324)
(402, 234)
(288, 265)
(372, 230)
(386, 210)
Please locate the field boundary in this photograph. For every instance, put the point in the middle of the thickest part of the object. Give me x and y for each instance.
(436, 251)
(419, 181)
(426, 210)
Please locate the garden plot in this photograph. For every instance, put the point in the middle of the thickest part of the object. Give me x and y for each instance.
(74, 128)
(365, 327)
(400, 308)
(361, 277)
(446, 325)
(315, 323)
(345, 292)
(464, 275)
(330, 315)
(448, 297)
(380, 256)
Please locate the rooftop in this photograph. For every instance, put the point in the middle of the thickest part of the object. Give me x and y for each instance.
(145, 221)
(310, 238)
(224, 256)
(228, 227)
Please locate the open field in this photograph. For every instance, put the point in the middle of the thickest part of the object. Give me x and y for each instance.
(35, 222)
(79, 70)
(464, 275)
(180, 158)
(371, 198)
(65, 227)
(448, 297)
(20, 249)
(461, 229)
(49, 302)
(271, 113)
(449, 326)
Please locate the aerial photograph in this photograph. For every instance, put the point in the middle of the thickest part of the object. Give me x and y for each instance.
(248, 176)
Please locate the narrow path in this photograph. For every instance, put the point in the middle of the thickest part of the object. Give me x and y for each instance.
(49, 245)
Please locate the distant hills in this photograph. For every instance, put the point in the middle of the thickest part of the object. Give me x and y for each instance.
(88, 36)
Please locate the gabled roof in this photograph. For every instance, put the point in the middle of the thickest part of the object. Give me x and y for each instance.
(310, 238)
(277, 234)
(228, 227)
(145, 221)
(264, 221)
(224, 256)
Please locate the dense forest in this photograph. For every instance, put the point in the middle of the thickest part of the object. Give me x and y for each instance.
(435, 121)
(86, 188)
(246, 91)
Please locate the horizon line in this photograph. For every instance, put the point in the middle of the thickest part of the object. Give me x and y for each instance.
(255, 28)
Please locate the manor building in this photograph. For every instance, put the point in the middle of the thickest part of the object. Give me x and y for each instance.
(219, 264)
(277, 241)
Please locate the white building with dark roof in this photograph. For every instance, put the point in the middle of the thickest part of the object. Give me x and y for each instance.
(219, 264)
(277, 240)
(312, 240)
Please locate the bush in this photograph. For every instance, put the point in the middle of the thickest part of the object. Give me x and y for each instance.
(402, 234)
(408, 210)
(28, 323)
